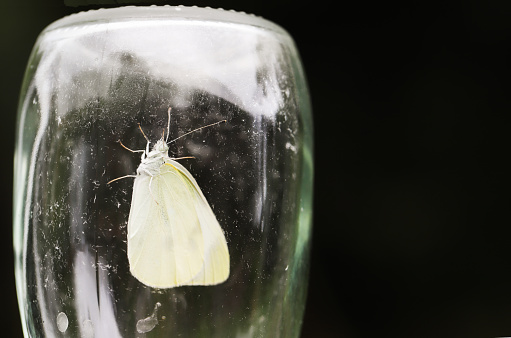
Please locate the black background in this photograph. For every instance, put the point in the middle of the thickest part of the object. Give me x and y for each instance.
(411, 104)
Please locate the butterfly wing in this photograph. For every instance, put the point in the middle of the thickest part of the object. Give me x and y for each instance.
(165, 246)
(216, 254)
(173, 236)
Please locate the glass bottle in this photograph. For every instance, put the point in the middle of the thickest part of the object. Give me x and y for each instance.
(93, 78)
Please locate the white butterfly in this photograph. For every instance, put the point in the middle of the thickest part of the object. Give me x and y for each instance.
(174, 238)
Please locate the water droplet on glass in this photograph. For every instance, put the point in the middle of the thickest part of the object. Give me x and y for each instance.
(147, 324)
(62, 322)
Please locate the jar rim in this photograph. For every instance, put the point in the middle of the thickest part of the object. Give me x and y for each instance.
(166, 12)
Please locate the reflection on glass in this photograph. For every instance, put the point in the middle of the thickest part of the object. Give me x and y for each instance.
(91, 79)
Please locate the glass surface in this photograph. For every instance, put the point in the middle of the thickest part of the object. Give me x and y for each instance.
(91, 79)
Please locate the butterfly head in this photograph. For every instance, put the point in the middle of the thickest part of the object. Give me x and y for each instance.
(161, 147)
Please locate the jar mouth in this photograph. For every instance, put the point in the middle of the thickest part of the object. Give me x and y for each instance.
(165, 12)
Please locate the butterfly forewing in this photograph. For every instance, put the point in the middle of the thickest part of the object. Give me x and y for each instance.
(165, 244)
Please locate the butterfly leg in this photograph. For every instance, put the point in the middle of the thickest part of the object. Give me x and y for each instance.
(151, 191)
(150, 183)
(179, 158)
(118, 178)
(133, 151)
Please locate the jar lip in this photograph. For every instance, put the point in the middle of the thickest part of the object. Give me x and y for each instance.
(166, 12)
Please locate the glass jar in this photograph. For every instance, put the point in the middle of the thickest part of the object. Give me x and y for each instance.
(97, 85)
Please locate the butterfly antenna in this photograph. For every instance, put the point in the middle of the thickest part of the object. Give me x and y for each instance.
(168, 126)
(209, 125)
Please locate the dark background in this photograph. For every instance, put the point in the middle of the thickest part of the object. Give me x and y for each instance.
(411, 104)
